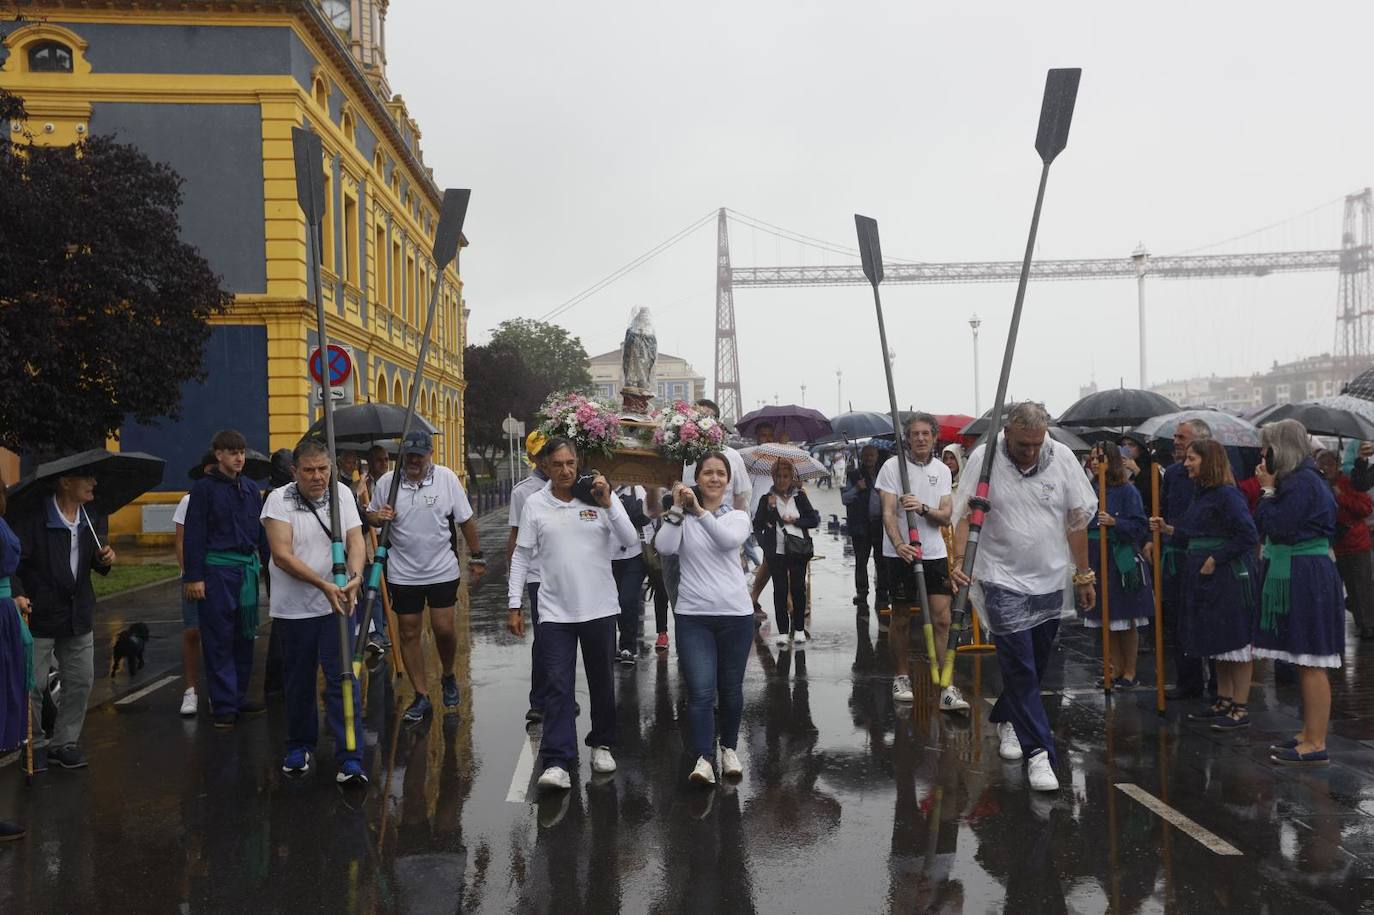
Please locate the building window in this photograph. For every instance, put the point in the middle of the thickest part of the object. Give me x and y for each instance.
(604, 391)
(320, 91)
(350, 235)
(1327, 387)
(1282, 394)
(1311, 389)
(50, 57)
(327, 224)
(394, 302)
(346, 125)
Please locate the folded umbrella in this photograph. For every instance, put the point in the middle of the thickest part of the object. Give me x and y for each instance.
(1321, 419)
(1118, 407)
(367, 422)
(760, 459)
(800, 424)
(1231, 431)
(120, 478)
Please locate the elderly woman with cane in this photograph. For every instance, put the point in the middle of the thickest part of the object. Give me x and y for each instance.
(715, 616)
(1302, 618)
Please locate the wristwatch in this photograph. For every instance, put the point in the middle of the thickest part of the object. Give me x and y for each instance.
(476, 558)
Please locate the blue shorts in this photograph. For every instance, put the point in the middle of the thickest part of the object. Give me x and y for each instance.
(190, 613)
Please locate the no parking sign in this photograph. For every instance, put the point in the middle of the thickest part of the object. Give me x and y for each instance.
(340, 362)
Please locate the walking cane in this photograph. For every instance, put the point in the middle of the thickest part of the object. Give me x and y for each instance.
(309, 157)
(28, 705)
(447, 237)
(1159, 591)
(1056, 113)
(872, 254)
(1102, 558)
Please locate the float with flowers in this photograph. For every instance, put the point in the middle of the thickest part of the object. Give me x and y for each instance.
(633, 448)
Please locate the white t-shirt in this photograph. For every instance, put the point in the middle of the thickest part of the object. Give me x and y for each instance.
(787, 508)
(930, 482)
(708, 550)
(739, 476)
(519, 495)
(574, 542)
(421, 552)
(293, 599)
(74, 540)
(179, 516)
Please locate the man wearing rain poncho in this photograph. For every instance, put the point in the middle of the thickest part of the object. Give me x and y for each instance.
(1031, 569)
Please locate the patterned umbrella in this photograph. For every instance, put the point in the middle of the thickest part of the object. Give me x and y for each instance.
(759, 461)
(1229, 430)
(800, 424)
(1362, 387)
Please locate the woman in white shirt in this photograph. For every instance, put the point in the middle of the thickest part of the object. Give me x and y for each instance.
(783, 513)
(715, 618)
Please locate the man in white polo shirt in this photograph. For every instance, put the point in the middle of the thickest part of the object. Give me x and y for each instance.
(931, 498)
(422, 562)
(574, 534)
(304, 601)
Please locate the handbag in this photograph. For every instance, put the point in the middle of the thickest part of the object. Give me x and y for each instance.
(793, 545)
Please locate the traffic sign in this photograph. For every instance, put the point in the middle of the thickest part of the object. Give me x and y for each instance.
(340, 365)
(510, 425)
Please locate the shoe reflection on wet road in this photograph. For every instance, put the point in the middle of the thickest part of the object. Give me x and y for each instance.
(848, 803)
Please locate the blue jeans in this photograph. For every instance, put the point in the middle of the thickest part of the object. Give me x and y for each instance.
(1024, 657)
(538, 676)
(714, 651)
(560, 642)
(308, 645)
(629, 582)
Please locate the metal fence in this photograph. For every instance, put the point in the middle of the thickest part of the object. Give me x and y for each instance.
(489, 495)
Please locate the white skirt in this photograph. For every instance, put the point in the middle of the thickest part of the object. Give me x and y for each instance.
(1300, 660)
(1240, 654)
(1118, 625)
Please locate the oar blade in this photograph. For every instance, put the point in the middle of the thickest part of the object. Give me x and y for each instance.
(309, 157)
(450, 232)
(870, 250)
(1056, 112)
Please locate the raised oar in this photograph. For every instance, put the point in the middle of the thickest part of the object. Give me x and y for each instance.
(870, 250)
(1056, 113)
(447, 237)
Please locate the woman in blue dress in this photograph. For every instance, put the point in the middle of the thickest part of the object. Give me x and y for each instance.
(1302, 615)
(1131, 598)
(16, 659)
(1219, 582)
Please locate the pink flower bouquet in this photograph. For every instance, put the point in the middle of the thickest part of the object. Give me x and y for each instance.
(592, 426)
(687, 433)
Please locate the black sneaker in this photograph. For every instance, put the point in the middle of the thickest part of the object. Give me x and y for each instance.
(627, 657)
(534, 716)
(68, 757)
(419, 708)
(10, 831)
(450, 685)
(226, 719)
(252, 709)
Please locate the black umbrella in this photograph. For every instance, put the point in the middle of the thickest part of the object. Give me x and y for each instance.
(1119, 407)
(1362, 386)
(120, 478)
(366, 422)
(854, 425)
(256, 465)
(1320, 419)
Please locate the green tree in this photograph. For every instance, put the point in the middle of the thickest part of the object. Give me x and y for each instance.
(556, 360)
(103, 309)
(499, 378)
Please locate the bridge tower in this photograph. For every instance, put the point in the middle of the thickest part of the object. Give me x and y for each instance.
(727, 349)
(1355, 299)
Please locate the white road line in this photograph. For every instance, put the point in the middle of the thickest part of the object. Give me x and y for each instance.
(524, 768)
(1210, 840)
(155, 685)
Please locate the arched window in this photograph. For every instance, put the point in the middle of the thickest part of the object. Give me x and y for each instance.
(321, 93)
(347, 126)
(398, 393)
(50, 57)
(381, 387)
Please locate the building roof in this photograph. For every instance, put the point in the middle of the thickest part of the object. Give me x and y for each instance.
(614, 356)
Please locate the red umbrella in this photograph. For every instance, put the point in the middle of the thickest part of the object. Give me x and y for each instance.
(950, 424)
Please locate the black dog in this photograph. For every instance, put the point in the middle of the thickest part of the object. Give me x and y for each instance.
(129, 646)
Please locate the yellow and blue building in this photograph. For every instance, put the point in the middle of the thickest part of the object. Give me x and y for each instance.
(213, 89)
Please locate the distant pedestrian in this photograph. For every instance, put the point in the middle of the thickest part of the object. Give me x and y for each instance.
(1352, 543)
(304, 601)
(16, 658)
(1124, 581)
(422, 564)
(715, 628)
(953, 457)
(223, 550)
(573, 538)
(627, 565)
(864, 516)
(783, 522)
(1302, 621)
(1040, 499)
(60, 548)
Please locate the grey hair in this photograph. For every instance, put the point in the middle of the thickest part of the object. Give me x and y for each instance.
(310, 447)
(1288, 438)
(1201, 431)
(1028, 415)
(919, 417)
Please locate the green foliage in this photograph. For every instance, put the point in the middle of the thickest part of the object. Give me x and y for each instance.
(556, 360)
(103, 309)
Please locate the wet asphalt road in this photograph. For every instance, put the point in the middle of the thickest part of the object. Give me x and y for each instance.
(847, 803)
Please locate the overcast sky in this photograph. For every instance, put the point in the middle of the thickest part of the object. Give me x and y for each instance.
(590, 132)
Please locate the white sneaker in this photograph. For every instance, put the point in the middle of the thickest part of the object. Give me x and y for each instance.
(730, 764)
(800, 638)
(1042, 777)
(901, 689)
(703, 773)
(1009, 747)
(555, 777)
(951, 700)
(189, 703)
(782, 640)
(602, 760)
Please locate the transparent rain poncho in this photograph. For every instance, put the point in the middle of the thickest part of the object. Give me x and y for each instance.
(1023, 573)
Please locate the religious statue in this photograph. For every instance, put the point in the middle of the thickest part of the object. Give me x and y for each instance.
(637, 357)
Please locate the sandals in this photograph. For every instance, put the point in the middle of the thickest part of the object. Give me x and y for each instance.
(1236, 718)
(1219, 709)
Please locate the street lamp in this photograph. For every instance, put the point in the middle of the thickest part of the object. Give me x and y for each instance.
(974, 323)
(803, 403)
(1141, 257)
(839, 391)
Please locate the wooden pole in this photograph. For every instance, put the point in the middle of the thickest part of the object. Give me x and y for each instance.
(1103, 590)
(1159, 590)
(28, 705)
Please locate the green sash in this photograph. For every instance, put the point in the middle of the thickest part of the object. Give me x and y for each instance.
(1171, 554)
(1238, 569)
(25, 636)
(1123, 557)
(1276, 599)
(248, 588)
